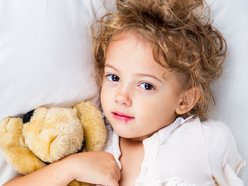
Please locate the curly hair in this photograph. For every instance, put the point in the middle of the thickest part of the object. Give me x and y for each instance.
(180, 33)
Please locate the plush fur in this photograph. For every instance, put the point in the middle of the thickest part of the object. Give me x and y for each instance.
(50, 134)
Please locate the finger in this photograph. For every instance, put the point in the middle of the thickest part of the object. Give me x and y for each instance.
(118, 173)
(113, 184)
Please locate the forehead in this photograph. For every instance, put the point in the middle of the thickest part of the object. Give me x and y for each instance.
(127, 46)
(132, 39)
(129, 52)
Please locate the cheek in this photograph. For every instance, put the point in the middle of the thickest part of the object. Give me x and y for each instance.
(104, 98)
(157, 109)
(147, 109)
(107, 97)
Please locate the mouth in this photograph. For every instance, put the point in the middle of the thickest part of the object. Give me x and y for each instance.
(122, 117)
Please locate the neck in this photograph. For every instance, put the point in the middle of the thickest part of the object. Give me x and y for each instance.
(132, 155)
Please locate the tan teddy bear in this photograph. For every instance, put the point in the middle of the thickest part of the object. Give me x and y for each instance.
(47, 134)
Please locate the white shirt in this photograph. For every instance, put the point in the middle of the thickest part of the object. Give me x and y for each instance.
(187, 153)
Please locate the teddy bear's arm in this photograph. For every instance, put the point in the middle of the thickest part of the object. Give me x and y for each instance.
(14, 149)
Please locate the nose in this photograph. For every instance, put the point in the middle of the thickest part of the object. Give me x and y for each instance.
(123, 96)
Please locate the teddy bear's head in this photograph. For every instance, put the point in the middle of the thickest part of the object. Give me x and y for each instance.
(53, 133)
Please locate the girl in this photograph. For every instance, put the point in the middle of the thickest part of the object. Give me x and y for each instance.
(155, 60)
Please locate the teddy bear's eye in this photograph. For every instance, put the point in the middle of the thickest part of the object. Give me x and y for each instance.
(27, 117)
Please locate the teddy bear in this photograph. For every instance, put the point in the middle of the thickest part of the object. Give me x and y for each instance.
(46, 135)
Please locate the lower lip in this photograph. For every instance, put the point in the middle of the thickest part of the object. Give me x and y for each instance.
(122, 117)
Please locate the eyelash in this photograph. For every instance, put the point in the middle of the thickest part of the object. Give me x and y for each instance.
(147, 86)
(111, 77)
(144, 85)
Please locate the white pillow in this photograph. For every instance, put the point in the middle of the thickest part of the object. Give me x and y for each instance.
(45, 56)
(231, 90)
(45, 60)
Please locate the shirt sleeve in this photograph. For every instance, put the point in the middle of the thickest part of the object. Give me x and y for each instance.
(225, 161)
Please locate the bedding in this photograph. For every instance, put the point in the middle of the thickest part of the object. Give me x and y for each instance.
(231, 90)
(45, 54)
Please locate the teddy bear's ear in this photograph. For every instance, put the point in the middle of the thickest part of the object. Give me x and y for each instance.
(27, 117)
(95, 131)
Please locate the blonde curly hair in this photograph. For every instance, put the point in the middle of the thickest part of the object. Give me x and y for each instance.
(180, 33)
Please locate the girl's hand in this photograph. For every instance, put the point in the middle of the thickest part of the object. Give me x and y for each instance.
(90, 167)
(95, 167)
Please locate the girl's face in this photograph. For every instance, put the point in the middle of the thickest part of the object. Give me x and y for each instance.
(138, 95)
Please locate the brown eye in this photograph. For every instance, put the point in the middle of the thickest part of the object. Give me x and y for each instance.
(112, 77)
(147, 86)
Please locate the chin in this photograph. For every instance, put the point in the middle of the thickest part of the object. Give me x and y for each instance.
(122, 133)
(132, 137)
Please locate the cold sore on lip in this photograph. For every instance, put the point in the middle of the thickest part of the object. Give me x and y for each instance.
(122, 117)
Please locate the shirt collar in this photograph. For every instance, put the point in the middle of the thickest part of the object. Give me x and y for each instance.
(165, 132)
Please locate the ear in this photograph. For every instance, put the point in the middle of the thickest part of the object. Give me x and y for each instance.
(188, 101)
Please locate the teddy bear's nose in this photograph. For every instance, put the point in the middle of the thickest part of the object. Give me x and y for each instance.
(27, 117)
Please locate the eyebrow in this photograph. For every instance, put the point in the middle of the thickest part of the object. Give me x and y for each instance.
(109, 66)
(140, 74)
(151, 76)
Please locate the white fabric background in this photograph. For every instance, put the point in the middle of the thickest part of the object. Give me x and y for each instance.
(45, 56)
(231, 90)
(45, 52)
